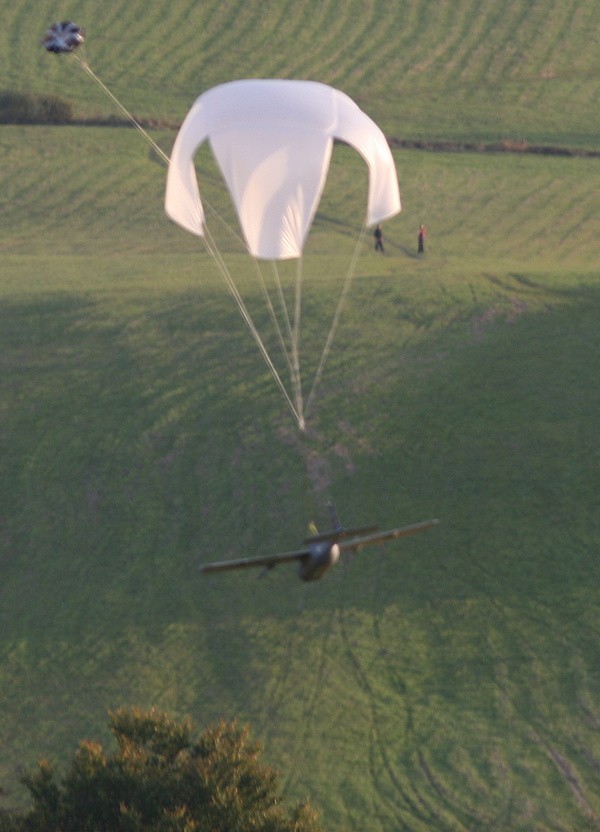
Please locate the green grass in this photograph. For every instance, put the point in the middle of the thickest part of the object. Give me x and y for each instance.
(460, 70)
(446, 682)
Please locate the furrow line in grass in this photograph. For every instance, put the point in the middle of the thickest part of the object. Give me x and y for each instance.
(465, 817)
(453, 799)
(222, 34)
(274, 699)
(414, 37)
(202, 68)
(521, 717)
(537, 215)
(335, 22)
(360, 56)
(443, 42)
(177, 75)
(571, 777)
(412, 806)
(22, 33)
(471, 37)
(182, 45)
(584, 212)
(310, 706)
(295, 24)
(539, 20)
(270, 57)
(524, 205)
(405, 30)
(507, 689)
(555, 751)
(505, 23)
(184, 77)
(405, 809)
(545, 625)
(361, 60)
(390, 669)
(570, 234)
(13, 17)
(510, 44)
(567, 34)
(551, 19)
(116, 17)
(380, 60)
(140, 28)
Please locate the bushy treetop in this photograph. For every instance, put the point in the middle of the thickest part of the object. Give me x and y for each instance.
(161, 778)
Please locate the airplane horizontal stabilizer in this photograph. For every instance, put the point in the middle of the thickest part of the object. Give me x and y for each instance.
(338, 534)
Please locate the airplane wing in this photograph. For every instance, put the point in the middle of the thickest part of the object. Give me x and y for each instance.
(355, 544)
(267, 562)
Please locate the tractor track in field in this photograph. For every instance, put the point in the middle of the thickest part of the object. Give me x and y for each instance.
(415, 804)
(535, 732)
(310, 710)
(442, 811)
(276, 695)
(532, 726)
(409, 805)
(310, 706)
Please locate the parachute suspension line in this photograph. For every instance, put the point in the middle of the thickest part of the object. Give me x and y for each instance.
(336, 319)
(293, 367)
(159, 151)
(296, 334)
(235, 294)
(274, 318)
(210, 244)
(224, 223)
(282, 303)
(268, 302)
(293, 363)
(293, 334)
(87, 68)
(229, 282)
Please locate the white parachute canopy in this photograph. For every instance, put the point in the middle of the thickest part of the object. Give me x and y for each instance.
(272, 140)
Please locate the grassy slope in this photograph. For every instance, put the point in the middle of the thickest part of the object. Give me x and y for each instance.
(423, 69)
(449, 682)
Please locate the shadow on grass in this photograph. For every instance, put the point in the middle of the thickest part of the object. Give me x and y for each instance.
(127, 461)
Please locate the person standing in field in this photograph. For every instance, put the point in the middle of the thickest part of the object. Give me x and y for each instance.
(378, 234)
(421, 245)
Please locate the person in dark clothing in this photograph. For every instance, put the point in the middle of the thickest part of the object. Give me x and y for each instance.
(422, 233)
(378, 234)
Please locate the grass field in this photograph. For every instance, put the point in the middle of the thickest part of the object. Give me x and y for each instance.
(422, 69)
(446, 682)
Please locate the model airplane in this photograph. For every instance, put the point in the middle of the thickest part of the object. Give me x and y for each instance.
(323, 550)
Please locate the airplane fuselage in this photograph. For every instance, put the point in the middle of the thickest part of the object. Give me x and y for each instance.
(322, 556)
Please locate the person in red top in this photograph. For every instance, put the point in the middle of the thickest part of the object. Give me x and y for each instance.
(422, 234)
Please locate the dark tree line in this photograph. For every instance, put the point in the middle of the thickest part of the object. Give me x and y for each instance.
(161, 778)
(28, 108)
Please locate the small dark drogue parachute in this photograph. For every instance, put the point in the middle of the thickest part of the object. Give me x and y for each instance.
(63, 37)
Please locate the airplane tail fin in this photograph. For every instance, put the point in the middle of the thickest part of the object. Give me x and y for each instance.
(338, 532)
